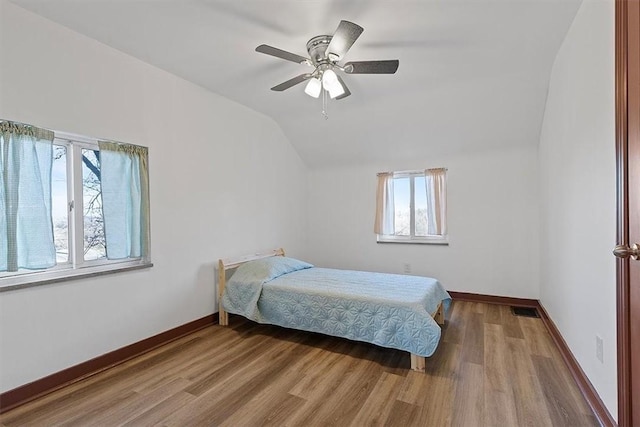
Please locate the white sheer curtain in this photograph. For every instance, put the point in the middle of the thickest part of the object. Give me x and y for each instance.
(125, 199)
(384, 222)
(436, 184)
(26, 227)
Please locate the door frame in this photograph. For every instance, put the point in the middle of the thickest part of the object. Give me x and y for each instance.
(622, 31)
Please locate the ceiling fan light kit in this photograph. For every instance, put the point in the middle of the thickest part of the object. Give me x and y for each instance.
(324, 54)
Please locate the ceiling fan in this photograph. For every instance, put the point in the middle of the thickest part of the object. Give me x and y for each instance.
(325, 52)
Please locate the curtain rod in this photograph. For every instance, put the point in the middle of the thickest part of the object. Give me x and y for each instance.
(87, 139)
(408, 172)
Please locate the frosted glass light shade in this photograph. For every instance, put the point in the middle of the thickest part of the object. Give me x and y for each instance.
(313, 88)
(336, 90)
(331, 83)
(329, 80)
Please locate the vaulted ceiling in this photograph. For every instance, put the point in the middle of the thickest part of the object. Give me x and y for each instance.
(473, 74)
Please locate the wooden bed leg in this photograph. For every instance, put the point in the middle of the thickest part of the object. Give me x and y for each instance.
(417, 363)
(223, 316)
(439, 316)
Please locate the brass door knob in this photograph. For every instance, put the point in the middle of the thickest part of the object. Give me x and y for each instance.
(624, 251)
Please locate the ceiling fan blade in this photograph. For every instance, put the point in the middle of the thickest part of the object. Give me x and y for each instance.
(347, 92)
(279, 53)
(291, 82)
(372, 67)
(346, 34)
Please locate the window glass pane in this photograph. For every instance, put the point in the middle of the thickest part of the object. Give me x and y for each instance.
(420, 205)
(59, 200)
(401, 200)
(94, 242)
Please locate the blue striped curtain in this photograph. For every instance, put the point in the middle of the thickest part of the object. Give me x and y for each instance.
(26, 227)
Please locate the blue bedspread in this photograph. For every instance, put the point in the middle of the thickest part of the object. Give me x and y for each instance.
(389, 310)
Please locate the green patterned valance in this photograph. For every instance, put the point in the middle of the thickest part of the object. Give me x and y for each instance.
(123, 148)
(23, 129)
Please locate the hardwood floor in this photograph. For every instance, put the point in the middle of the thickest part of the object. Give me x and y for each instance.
(491, 369)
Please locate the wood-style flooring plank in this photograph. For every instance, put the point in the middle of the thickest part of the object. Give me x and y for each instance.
(531, 407)
(350, 391)
(499, 402)
(490, 368)
(470, 394)
(238, 385)
(493, 314)
(539, 342)
(380, 402)
(82, 396)
(434, 391)
(328, 365)
(281, 412)
(473, 342)
(161, 411)
(478, 307)
(453, 330)
(510, 323)
(404, 414)
(271, 400)
(564, 412)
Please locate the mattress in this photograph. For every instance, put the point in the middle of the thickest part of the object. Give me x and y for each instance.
(389, 310)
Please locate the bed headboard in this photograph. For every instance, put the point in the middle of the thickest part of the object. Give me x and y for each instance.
(228, 263)
(225, 264)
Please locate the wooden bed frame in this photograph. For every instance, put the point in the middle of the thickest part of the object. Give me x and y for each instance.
(417, 362)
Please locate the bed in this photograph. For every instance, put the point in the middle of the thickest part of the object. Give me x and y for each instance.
(389, 310)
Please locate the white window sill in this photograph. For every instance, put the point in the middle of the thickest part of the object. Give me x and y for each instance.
(414, 240)
(55, 275)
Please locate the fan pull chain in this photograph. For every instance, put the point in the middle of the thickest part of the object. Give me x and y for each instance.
(324, 104)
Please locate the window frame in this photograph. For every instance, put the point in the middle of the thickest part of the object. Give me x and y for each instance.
(76, 266)
(69, 184)
(412, 238)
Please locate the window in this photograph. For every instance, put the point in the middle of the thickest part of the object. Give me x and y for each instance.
(99, 210)
(60, 203)
(411, 207)
(95, 246)
(64, 209)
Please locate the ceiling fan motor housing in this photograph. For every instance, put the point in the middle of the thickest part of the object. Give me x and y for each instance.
(317, 47)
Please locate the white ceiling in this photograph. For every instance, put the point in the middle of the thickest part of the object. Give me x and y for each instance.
(473, 74)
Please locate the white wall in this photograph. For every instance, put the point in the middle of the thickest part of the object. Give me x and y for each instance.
(577, 187)
(224, 181)
(492, 221)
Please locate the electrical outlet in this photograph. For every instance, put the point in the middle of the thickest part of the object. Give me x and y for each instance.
(599, 349)
(407, 268)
